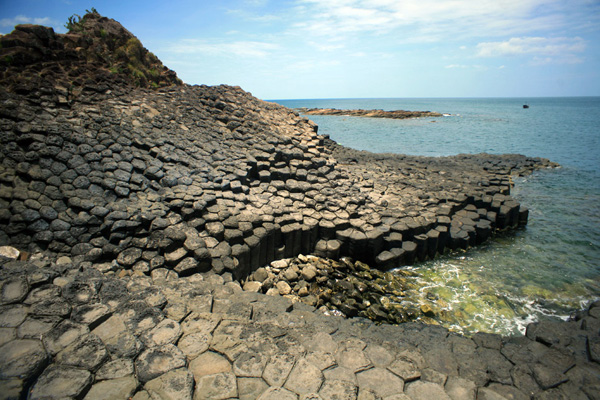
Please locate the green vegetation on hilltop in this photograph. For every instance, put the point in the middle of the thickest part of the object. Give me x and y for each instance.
(108, 42)
(75, 22)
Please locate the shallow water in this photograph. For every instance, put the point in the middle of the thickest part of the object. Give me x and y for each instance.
(550, 268)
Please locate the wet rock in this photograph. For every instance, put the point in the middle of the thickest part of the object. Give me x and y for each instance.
(157, 187)
(53, 307)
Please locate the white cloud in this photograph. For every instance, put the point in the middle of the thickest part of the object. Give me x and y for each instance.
(256, 3)
(326, 47)
(22, 19)
(561, 50)
(253, 15)
(531, 45)
(246, 49)
(311, 65)
(571, 59)
(431, 20)
(463, 66)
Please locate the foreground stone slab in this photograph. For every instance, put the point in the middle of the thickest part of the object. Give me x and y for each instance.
(63, 335)
(58, 382)
(209, 363)
(119, 388)
(12, 388)
(304, 378)
(251, 388)
(119, 368)
(277, 393)
(380, 381)
(278, 369)
(22, 359)
(173, 385)
(425, 391)
(87, 352)
(156, 361)
(291, 351)
(336, 389)
(216, 386)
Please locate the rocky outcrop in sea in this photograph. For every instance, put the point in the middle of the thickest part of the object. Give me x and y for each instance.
(179, 241)
(393, 114)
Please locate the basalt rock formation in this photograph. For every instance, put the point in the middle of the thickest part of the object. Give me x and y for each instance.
(147, 204)
(394, 114)
(197, 178)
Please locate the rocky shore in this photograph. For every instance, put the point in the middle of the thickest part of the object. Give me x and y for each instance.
(395, 114)
(180, 241)
(67, 330)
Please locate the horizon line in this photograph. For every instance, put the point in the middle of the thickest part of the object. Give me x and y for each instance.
(434, 97)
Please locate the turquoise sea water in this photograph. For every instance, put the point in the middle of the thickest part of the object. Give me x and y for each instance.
(546, 270)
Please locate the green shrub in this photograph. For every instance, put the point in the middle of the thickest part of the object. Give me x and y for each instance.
(74, 24)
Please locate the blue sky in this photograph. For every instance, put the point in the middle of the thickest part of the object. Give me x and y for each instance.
(290, 49)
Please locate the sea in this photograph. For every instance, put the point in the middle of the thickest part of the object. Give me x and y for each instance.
(547, 270)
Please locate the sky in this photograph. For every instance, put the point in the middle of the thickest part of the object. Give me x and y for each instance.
(308, 49)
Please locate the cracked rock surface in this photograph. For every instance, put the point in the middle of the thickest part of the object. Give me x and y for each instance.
(240, 344)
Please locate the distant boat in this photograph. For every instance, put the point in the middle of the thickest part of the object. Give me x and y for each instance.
(525, 105)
